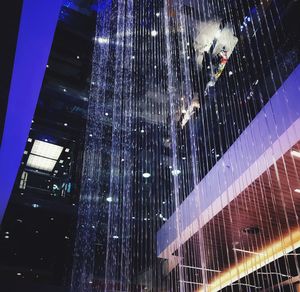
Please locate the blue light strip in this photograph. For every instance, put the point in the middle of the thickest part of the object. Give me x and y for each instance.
(37, 27)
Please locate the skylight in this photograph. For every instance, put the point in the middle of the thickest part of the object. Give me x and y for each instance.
(46, 149)
(41, 163)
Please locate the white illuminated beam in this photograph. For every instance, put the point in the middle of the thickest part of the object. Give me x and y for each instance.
(41, 163)
(46, 149)
(295, 153)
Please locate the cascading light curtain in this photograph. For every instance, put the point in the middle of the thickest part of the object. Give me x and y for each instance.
(174, 85)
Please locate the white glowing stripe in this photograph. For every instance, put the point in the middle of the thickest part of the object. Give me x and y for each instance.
(203, 269)
(295, 153)
(247, 251)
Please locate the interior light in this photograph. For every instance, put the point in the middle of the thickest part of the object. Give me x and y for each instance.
(175, 172)
(65, 124)
(297, 190)
(184, 158)
(230, 73)
(67, 237)
(6, 237)
(157, 14)
(78, 57)
(55, 171)
(102, 40)
(161, 216)
(295, 153)
(69, 157)
(106, 114)
(67, 150)
(115, 237)
(109, 199)
(142, 131)
(154, 33)
(132, 57)
(47, 66)
(146, 174)
(35, 206)
(29, 140)
(47, 150)
(6, 232)
(41, 163)
(64, 90)
(91, 135)
(19, 274)
(61, 161)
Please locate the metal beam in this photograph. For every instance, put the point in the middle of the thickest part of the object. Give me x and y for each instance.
(36, 31)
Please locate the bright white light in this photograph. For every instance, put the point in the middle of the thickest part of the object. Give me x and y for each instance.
(230, 73)
(65, 90)
(157, 14)
(142, 131)
(6, 237)
(175, 172)
(65, 124)
(78, 57)
(35, 205)
(109, 199)
(154, 33)
(46, 150)
(218, 33)
(161, 216)
(106, 114)
(41, 163)
(295, 153)
(115, 237)
(19, 274)
(146, 174)
(297, 190)
(47, 66)
(29, 140)
(102, 40)
(91, 135)
(183, 158)
(61, 161)
(67, 150)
